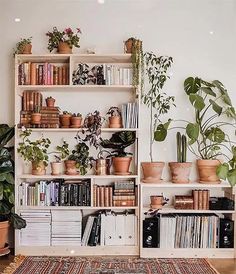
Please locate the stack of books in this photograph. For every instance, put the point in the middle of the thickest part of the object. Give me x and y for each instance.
(124, 193)
(50, 117)
(201, 199)
(129, 113)
(102, 196)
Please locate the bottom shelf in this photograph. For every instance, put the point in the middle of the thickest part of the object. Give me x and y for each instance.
(187, 253)
(76, 250)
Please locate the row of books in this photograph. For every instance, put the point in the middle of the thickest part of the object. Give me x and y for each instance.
(201, 199)
(43, 74)
(31, 99)
(109, 228)
(55, 193)
(115, 75)
(129, 113)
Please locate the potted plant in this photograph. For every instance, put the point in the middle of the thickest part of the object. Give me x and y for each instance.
(159, 103)
(64, 40)
(120, 159)
(65, 119)
(35, 152)
(36, 116)
(60, 154)
(7, 199)
(180, 170)
(158, 201)
(76, 120)
(215, 151)
(115, 120)
(50, 102)
(24, 46)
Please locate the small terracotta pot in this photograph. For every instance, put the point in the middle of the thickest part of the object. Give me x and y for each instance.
(38, 168)
(70, 167)
(128, 46)
(156, 199)
(207, 171)
(50, 102)
(27, 49)
(76, 121)
(36, 118)
(115, 122)
(180, 172)
(65, 120)
(121, 165)
(4, 229)
(152, 171)
(56, 168)
(64, 48)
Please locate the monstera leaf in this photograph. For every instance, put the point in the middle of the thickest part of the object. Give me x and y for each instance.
(192, 85)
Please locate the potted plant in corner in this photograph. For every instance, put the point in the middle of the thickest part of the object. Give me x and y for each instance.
(114, 116)
(76, 120)
(7, 199)
(60, 154)
(64, 40)
(35, 152)
(120, 159)
(24, 46)
(159, 103)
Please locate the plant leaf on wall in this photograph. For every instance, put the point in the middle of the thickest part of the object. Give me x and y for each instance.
(192, 130)
(215, 134)
(192, 85)
(218, 109)
(197, 101)
(208, 91)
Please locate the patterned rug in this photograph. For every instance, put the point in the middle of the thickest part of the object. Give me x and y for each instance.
(107, 265)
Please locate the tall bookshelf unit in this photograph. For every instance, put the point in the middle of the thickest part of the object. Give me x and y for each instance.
(83, 99)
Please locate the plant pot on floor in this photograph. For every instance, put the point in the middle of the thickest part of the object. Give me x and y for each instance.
(56, 168)
(65, 120)
(36, 118)
(121, 165)
(207, 171)
(50, 102)
(152, 171)
(115, 122)
(64, 48)
(70, 166)
(75, 122)
(180, 172)
(38, 168)
(4, 229)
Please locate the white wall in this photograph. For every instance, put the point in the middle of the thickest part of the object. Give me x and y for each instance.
(199, 34)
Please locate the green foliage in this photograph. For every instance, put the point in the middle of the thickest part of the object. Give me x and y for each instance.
(113, 111)
(33, 151)
(62, 151)
(181, 147)
(21, 44)
(77, 115)
(7, 198)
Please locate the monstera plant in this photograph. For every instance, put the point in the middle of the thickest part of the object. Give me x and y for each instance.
(208, 137)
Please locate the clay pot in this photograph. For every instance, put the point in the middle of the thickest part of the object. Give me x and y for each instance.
(76, 122)
(115, 122)
(64, 48)
(65, 120)
(70, 167)
(50, 102)
(121, 165)
(4, 228)
(38, 168)
(207, 171)
(157, 201)
(56, 168)
(152, 171)
(36, 118)
(27, 49)
(180, 172)
(128, 46)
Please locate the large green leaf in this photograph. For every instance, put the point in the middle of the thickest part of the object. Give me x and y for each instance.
(160, 133)
(222, 171)
(192, 131)
(6, 134)
(218, 109)
(232, 177)
(215, 134)
(220, 86)
(197, 101)
(7, 169)
(17, 221)
(192, 85)
(230, 112)
(208, 91)
(10, 178)
(226, 99)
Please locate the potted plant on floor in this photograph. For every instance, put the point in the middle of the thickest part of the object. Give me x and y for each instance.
(60, 154)
(180, 170)
(7, 199)
(159, 103)
(50, 101)
(120, 159)
(114, 116)
(35, 152)
(76, 120)
(65, 119)
(64, 40)
(24, 46)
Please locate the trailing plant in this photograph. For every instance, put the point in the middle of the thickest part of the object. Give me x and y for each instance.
(155, 98)
(113, 111)
(119, 141)
(181, 147)
(206, 136)
(21, 44)
(62, 152)
(7, 197)
(33, 151)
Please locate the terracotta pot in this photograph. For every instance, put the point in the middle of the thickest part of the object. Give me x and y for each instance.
(207, 171)
(128, 46)
(152, 171)
(27, 49)
(180, 172)
(50, 102)
(36, 118)
(4, 228)
(64, 48)
(157, 201)
(115, 122)
(38, 168)
(56, 168)
(65, 120)
(76, 121)
(70, 167)
(121, 165)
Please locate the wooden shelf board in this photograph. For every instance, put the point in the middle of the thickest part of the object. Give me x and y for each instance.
(75, 207)
(190, 185)
(63, 176)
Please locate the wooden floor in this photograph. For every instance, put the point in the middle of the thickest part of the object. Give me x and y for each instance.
(223, 266)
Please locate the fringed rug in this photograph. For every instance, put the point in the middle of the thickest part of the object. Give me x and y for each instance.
(107, 265)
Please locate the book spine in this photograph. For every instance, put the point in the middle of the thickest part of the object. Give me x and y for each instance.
(195, 199)
(200, 200)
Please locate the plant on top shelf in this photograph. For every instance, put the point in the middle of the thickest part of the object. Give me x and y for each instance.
(64, 40)
(24, 46)
(35, 152)
(76, 120)
(60, 154)
(7, 198)
(114, 115)
(159, 103)
(118, 142)
(65, 119)
(207, 137)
